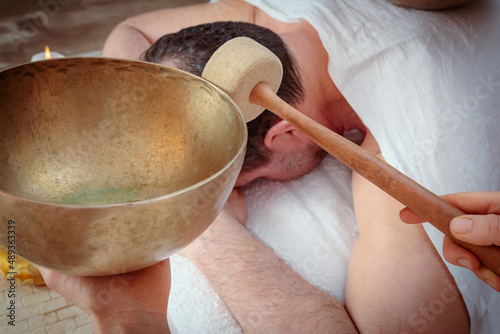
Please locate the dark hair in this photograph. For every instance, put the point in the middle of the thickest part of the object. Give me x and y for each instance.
(191, 48)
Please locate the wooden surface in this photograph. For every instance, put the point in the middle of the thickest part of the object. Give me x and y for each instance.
(67, 26)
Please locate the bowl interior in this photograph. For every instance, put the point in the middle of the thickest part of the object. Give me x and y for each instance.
(96, 131)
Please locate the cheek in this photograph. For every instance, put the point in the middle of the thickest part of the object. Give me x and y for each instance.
(298, 163)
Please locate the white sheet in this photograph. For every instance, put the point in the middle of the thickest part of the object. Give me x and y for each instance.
(308, 222)
(427, 84)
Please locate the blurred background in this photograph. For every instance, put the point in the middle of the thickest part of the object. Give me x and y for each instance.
(70, 27)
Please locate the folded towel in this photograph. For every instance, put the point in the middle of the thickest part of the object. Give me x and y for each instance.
(308, 222)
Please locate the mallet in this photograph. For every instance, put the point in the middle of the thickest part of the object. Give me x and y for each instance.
(251, 74)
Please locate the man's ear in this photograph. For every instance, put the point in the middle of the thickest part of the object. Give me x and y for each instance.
(283, 133)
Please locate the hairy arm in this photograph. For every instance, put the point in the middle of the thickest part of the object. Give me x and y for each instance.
(264, 293)
(132, 37)
(396, 280)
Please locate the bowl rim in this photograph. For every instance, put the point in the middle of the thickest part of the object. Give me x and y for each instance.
(241, 150)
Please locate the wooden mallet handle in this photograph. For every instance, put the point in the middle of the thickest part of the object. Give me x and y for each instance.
(251, 74)
(420, 200)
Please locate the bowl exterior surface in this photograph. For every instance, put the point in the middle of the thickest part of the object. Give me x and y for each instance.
(108, 165)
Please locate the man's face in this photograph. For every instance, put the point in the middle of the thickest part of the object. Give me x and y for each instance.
(292, 154)
(286, 165)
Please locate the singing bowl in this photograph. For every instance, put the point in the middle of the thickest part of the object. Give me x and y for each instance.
(108, 166)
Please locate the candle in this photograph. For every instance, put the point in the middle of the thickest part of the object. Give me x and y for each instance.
(46, 55)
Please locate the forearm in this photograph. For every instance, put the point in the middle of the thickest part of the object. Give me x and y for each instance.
(263, 293)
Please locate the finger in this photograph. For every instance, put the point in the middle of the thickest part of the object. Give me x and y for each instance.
(459, 256)
(479, 202)
(481, 230)
(51, 278)
(410, 217)
(491, 279)
(488, 277)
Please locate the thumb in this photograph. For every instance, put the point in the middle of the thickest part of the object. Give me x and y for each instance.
(482, 230)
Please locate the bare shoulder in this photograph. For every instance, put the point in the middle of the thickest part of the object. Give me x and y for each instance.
(157, 23)
(233, 10)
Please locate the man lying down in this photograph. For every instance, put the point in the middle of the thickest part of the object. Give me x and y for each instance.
(422, 88)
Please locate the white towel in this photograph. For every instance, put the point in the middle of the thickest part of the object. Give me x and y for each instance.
(308, 222)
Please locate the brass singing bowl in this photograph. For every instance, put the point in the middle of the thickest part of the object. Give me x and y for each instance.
(108, 166)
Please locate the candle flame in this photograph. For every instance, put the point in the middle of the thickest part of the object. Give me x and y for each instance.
(47, 53)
